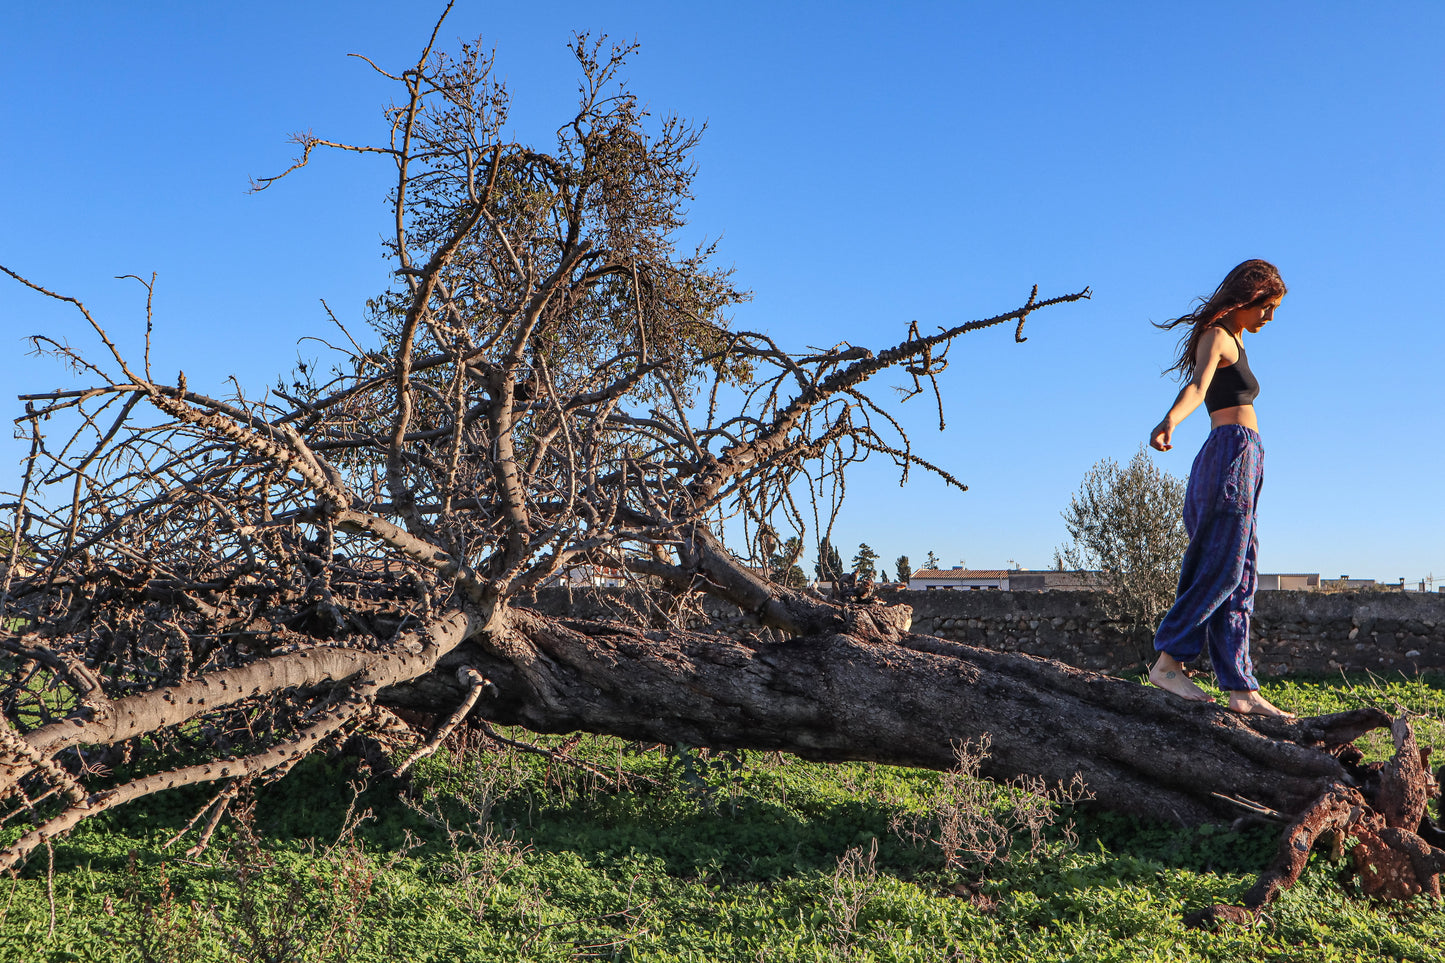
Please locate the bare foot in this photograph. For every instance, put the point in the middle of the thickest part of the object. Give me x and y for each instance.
(1251, 703)
(1168, 674)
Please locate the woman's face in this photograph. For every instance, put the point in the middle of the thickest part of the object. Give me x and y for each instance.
(1252, 319)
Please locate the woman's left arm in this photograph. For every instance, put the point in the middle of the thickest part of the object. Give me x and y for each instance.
(1213, 347)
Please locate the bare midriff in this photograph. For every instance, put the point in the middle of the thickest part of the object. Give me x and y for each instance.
(1242, 415)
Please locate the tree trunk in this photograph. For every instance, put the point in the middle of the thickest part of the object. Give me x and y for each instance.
(876, 692)
(901, 699)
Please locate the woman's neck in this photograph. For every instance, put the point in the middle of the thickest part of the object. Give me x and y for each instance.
(1231, 323)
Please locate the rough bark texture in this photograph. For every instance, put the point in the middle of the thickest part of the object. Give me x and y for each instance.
(907, 701)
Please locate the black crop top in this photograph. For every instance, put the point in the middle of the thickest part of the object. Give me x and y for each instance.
(1233, 384)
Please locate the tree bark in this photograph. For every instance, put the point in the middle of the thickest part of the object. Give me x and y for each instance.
(907, 700)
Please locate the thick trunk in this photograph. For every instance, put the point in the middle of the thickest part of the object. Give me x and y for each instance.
(902, 699)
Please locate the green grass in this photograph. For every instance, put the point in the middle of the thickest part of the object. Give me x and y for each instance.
(701, 857)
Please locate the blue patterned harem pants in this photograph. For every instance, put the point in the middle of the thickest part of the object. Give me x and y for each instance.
(1219, 574)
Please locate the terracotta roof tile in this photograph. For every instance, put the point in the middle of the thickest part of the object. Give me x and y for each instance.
(939, 574)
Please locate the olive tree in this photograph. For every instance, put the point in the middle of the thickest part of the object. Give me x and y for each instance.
(1127, 524)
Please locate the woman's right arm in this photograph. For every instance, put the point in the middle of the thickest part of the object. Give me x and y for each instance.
(1212, 349)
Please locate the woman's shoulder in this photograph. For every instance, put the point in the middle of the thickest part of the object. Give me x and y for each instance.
(1216, 342)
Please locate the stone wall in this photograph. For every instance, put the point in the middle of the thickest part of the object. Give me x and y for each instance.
(1066, 626)
(1292, 633)
(1349, 631)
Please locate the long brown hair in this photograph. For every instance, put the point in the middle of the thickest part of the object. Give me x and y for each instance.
(1251, 284)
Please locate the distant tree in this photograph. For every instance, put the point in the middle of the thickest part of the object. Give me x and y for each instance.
(932, 561)
(903, 568)
(783, 567)
(829, 566)
(864, 563)
(1127, 524)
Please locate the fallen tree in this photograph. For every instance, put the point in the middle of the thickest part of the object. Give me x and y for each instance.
(231, 584)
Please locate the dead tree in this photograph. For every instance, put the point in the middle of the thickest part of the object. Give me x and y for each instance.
(212, 588)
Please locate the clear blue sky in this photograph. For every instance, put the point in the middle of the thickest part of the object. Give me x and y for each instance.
(866, 165)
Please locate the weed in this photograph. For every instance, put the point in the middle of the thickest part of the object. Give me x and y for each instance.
(260, 909)
(478, 856)
(165, 929)
(855, 884)
(974, 822)
(705, 776)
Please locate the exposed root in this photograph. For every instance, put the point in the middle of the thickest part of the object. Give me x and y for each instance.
(1433, 831)
(1390, 858)
(1396, 864)
(1404, 781)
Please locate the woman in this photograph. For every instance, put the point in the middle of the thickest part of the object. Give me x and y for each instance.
(1219, 574)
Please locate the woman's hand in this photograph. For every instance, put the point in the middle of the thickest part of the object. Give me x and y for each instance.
(1159, 438)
